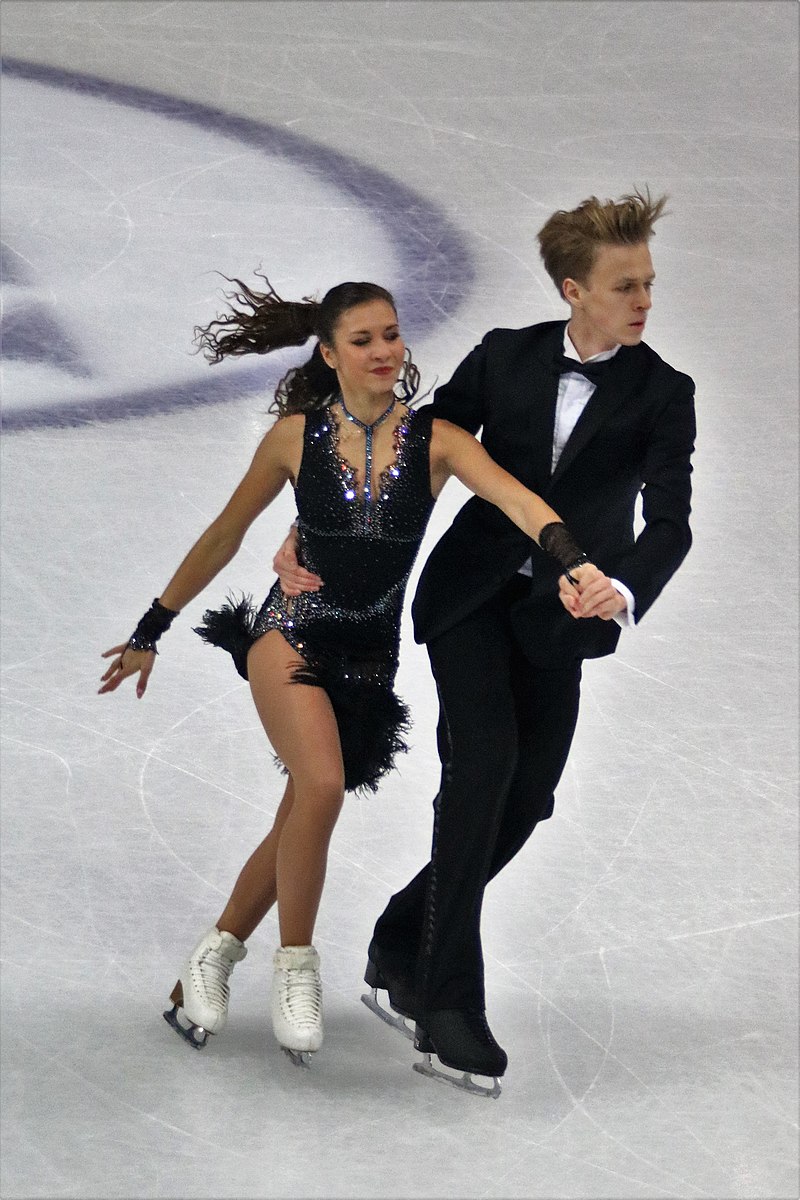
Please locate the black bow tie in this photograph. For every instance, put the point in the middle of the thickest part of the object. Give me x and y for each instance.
(593, 371)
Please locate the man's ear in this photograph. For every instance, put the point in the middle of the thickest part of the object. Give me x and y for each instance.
(571, 291)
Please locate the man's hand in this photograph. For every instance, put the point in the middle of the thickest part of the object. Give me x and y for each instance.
(595, 595)
(294, 578)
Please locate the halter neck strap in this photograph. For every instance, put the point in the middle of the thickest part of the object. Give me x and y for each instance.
(368, 430)
(362, 424)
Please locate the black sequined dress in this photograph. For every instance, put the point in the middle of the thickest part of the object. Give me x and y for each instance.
(348, 633)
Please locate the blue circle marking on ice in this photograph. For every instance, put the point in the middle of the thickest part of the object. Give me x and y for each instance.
(121, 204)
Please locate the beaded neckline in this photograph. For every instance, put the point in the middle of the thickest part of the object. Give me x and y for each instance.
(369, 499)
(368, 432)
(363, 424)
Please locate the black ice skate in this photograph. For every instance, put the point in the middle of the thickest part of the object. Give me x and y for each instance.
(401, 998)
(462, 1041)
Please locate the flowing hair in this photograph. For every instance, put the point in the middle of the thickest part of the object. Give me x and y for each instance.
(260, 322)
(569, 241)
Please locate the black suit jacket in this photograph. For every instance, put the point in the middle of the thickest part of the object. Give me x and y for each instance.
(635, 435)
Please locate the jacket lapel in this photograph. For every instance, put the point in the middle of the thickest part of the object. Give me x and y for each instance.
(622, 379)
(543, 383)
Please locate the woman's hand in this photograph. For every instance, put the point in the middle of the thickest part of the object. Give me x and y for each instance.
(128, 662)
(294, 578)
(594, 596)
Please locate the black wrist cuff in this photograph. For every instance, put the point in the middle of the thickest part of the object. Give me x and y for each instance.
(155, 621)
(556, 540)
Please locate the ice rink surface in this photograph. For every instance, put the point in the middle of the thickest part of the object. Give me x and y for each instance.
(642, 949)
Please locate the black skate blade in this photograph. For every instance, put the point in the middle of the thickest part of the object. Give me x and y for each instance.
(395, 1020)
(188, 1033)
(299, 1058)
(463, 1081)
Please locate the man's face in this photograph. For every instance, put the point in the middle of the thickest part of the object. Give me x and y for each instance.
(612, 304)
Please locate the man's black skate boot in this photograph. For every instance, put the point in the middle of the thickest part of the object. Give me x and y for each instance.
(462, 1040)
(387, 973)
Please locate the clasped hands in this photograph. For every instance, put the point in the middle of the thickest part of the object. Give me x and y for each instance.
(593, 596)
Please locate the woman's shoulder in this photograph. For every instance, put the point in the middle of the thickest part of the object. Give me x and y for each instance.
(286, 432)
(446, 438)
(290, 426)
(292, 421)
(441, 427)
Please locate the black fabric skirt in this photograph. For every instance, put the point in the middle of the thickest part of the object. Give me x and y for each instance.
(371, 718)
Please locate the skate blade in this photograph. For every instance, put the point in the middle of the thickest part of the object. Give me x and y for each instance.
(464, 1082)
(395, 1020)
(300, 1058)
(195, 1035)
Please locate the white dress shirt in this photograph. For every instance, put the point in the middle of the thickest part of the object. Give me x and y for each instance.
(574, 392)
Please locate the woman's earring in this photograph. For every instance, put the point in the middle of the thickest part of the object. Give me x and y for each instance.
(408, 383)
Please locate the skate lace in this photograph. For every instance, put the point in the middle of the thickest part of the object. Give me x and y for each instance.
(215, 971)
(302, 996)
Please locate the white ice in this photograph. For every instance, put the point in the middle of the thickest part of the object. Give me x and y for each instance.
(642, 949)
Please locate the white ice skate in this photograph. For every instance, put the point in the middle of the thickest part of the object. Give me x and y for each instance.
(200, 997)
(297, 1002)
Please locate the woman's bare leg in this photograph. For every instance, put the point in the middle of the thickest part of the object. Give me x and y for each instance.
(255, 891)
(300, 724)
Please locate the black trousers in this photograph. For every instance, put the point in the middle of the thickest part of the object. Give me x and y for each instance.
(505, 729)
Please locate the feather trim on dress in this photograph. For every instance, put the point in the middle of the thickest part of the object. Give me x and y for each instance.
(371, 718)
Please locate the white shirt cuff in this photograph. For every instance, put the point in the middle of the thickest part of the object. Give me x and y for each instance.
(626, 618)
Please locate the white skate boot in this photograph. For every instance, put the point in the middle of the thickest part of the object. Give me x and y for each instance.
(297, 1002)
(201, 994)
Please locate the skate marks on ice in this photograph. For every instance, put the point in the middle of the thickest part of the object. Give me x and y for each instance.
(573, 1131)
(80, 359)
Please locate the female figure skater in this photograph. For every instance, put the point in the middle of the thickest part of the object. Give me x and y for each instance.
(366, 470)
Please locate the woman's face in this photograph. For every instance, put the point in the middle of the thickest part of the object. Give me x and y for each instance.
(367, 351)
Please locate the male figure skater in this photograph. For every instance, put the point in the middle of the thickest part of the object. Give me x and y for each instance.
(587, 415)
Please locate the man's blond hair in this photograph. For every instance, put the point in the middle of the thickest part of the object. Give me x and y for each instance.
(569, 241)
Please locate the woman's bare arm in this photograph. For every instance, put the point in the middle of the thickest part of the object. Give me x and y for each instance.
(275, 462)
(456, 452)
